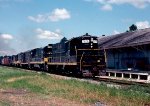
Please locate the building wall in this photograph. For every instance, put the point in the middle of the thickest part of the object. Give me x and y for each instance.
(123, 58)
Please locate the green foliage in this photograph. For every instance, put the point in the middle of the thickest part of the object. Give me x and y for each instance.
(4, 103)
(133, 27)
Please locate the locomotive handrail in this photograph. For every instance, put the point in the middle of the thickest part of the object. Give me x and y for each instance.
(81, 61)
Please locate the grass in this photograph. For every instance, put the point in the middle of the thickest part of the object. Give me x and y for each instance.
(4, 103)
(73, 90)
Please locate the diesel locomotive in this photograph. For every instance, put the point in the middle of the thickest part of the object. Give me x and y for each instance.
(78, 56)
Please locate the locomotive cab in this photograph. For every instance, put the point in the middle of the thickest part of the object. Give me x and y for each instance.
(90, 59)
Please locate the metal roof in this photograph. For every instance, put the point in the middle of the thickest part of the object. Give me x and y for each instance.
(126, 39)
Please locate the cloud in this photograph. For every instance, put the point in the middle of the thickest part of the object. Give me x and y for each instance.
(6, 36)
(26, 40)
(59, 14)
(56, 15)
(116, 32)
(106, 7)
(136, 3)
(7, 52)
(39, 18)
(5, 45)
(45, 34)
(143, 24)
(31, 37)
(58, 30)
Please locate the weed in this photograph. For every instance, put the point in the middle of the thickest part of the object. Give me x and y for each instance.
(4, 103)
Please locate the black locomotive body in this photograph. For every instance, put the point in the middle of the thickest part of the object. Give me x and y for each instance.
(33, 59)
(77, 56)
(36, 59)
(1, 57)
(14, 60)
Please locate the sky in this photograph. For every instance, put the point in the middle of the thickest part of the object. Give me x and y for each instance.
(28, 24)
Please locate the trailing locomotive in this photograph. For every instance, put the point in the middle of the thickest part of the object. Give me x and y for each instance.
(78, 56)
(32, 59)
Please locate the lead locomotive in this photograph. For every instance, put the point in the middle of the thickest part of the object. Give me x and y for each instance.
(77, 56)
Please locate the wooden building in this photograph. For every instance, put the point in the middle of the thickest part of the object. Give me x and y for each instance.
(127, 51)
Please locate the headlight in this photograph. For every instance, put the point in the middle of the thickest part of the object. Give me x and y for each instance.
(94, 41)
(98, 61)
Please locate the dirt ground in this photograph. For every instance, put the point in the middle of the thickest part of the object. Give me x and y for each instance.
(22, 97)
